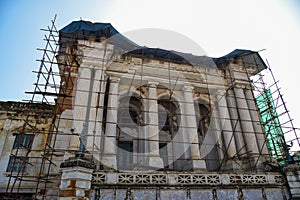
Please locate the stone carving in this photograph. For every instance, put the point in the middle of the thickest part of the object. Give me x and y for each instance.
(187, 179)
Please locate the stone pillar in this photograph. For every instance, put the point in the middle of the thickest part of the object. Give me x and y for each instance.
(96, 115)
(76, 179)
(153, 130)
(87, 114)
(216, 126)
(231, 135)
(191, 128)
(183, 140)
(110, 144)
(82, 106)
(246, 122)
(226, 126)
(235, 122)
(259, 133)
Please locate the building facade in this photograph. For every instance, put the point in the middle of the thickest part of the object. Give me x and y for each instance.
(131, 122)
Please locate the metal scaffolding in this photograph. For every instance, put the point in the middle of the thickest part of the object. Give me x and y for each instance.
(281, 135)
(56, 85)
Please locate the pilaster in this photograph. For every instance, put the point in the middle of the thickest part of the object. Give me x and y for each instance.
(191, 128)
(226, 127)
(235, 123)
(154, 158)
(247, 126)
(110, 143)
(259, 133)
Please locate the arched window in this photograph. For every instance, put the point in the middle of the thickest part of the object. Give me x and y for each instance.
(130, 121)
(130, 112)
(168, 116)
(203, 120)
(168, 121)
(209, 144)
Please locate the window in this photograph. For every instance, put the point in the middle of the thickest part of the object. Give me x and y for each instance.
(163, 152)
(168, 116)
(125, 155)
(130, 113)
(168, 121)
(203, 116)
(23, 141)
(203, 120)
(17, 164)
(129, 132)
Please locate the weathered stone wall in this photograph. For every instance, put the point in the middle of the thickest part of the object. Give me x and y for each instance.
(16, 117)
(179, 193)
(293, 178)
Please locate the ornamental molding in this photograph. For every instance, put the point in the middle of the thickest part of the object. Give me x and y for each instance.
(181, 179)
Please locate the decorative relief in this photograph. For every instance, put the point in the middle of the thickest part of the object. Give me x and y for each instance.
(235, 179)
(126, 178)
(199, 179)
(249, 179)
(260, 179)
(254, 179)
(99, 178)
(182, 179)
(159, 178)
(213, 179)
(279, 179)
(142, 178)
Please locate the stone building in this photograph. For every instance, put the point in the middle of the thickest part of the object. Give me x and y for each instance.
(132, 122)
(17, 138)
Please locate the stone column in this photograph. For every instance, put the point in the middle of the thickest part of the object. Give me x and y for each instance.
(183, 140)
(227, 132)
(236, 125)
(96, 112)
(191, 128)
(110, 144)
(82, 106)
(226, 126)
(216, 125)
(153, 129)
(259, 133)
(87, 114)
(246, 123)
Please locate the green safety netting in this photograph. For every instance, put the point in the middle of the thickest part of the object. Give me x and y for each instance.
(272, 128)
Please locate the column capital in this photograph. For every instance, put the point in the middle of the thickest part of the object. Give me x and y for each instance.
(220, 92)
(188, 87)
(153, 83)
(241, 84)
(114, 79)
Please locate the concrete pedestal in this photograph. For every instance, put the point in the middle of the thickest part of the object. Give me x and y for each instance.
(293, 178)
(76, 179)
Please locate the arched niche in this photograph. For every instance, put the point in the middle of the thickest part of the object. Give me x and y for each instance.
(208, 145)
(130, 121)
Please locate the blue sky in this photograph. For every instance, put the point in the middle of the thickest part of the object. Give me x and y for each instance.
(217, 26)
